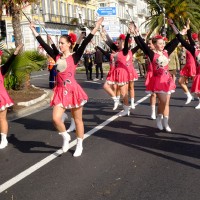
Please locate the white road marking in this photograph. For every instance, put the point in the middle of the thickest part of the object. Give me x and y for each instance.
(93, 82)
(51, 157)
(39, 75)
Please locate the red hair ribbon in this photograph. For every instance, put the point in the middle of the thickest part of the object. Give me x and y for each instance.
(72, 38)
(165, 39)
(158, 37)
(194, 36)
(122, 37)
(1, 52)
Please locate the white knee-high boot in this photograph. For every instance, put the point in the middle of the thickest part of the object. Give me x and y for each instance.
(159, 121)
(132, 103)
(125, 112)
(189, 97)
(118, 97)
(198, 106)
(79, 147)
(165, 123)
(116, 102)
(153, 112)
(72, 126)
(66, 139)
(4, 141)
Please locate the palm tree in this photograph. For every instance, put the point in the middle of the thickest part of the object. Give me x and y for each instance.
(18, 77)
(178, 10)
(14, 9)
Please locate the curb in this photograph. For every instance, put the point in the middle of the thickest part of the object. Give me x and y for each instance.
(32, 106)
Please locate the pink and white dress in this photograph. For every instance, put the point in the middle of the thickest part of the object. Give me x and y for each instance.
(149, 78)
(196, 83)
(189, 70)
(122, 68)
(5, 100)
(67, 92)
(110, 79)
(133, 76)
(162, 81)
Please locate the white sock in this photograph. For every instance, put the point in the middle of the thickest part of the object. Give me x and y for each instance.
(72, 126)
(153, 111)
(198, 106)
(66, 139)
(4, 141)
(165, 123)
(79, 147)
(188, 94)
(3, 136)
(132, 103)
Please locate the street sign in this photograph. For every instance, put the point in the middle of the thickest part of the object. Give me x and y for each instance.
(107, 11)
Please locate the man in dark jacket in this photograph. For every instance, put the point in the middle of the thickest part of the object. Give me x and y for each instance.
(88, 64)
(98, 59)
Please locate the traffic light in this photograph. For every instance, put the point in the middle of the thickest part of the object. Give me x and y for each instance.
(3, 28)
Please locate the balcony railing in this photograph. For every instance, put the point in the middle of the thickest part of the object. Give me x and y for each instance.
(71, 21)
(131, 2)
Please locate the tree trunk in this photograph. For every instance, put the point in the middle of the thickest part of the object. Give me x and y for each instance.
(1, 8)
(15, 13)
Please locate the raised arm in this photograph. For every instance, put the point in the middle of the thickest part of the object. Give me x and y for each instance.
(108, 40)
(106, 53)
(6, 66)
(140, 41)
(189, 47)
(189, 34)
(55, 49)
(125, 49)
(171, 45)
(46, 47)
(77, 55)
(81, 37)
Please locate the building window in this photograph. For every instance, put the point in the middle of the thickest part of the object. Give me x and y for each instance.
(102, 4)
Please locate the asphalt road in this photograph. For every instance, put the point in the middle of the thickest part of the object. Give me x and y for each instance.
(124, 158)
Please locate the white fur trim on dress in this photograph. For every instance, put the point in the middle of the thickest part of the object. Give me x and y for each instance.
(70, 106)
(6, 106)
(161, 92)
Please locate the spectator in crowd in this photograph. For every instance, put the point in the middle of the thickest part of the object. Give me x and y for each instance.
(174, 64)
(52, 72)
(140, 57)
(88, 63)
(98, 60)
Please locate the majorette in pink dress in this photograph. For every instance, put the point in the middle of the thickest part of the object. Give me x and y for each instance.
(196, 83)
(110, 79)
(133, 76)
(149, 77)
(67, 92)
(5, 100)
(162, 80)
(189, 70)
(121, 70)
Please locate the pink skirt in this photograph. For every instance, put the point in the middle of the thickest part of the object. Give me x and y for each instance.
(69, 97)
(133, 76)
(121, 75)
(110, 79)
(196, 84)
(188, 71)
(5, 100)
